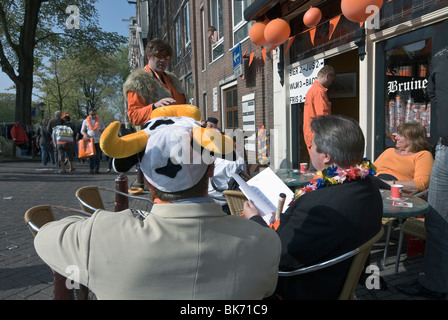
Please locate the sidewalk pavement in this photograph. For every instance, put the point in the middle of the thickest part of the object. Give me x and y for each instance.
(24, 184)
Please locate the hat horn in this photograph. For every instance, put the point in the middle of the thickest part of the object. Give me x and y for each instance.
(122, 147)
(213, 140)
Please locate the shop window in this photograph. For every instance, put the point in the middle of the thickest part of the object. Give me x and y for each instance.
(406, 82)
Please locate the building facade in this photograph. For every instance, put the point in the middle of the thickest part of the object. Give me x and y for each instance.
(382, 66)
(211, 49)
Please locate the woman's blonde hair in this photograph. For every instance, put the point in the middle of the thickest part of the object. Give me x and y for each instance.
(416, 134)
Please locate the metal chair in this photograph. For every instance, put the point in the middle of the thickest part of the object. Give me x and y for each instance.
(414, 227)
(90, 200)
(359, 255)
(387, 223)
(35, 218)
(235, 200)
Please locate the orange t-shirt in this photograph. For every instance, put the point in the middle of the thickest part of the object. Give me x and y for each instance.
(415, 166)
(316, 104)
(139, 112)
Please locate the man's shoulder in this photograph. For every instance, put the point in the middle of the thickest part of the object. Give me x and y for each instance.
(252, 228)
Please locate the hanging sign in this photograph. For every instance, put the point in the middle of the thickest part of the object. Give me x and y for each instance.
(237, 61)
(301, 78)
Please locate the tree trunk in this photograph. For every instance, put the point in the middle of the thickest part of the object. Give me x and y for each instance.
(24, 90)
(25, 57)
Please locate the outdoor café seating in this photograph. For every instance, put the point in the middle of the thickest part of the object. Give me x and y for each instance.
(357, 265)
(36, 217)
(235, 200)
(90, 199)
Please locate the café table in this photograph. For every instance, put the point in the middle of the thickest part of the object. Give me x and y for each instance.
(401, 209)
(293, 178)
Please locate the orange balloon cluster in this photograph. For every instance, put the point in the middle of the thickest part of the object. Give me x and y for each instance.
(355, 10)
(277, 31)
(256, 34)
(274, 32)
(312, 17)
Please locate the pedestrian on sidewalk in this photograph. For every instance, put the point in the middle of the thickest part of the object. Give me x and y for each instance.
(56, 121)
(92, 127)
(44, 139)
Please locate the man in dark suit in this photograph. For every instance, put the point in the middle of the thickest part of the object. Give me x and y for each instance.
(331, 220)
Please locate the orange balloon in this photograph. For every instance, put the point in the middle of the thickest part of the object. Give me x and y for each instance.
(277, 31)
(256, 34)
(355, 10)
(312, 17)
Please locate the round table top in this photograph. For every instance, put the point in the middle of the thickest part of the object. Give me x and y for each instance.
(293, 178)
(400, 208)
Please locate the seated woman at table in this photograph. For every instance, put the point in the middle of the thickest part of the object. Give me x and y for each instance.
(410, 162)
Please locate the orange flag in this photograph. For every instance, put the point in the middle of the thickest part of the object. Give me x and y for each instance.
(251, 58)
(312, 34)
(291, 39)
(244, 54)
(333, 24)
(263, 53)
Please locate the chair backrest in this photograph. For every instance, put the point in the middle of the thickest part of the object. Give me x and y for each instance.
(235, 200)
(414, 227)
(37, 216)
(89, 198)
(357, 267)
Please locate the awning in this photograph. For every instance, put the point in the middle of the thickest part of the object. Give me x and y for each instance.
(259, 8)
(285, 9)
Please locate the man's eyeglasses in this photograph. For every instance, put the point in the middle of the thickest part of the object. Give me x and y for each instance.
(161, 56)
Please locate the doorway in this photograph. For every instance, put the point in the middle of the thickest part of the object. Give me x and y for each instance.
(343, 95)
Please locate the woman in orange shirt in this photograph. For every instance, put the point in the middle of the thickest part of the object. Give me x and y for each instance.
(410, 162)
(152, 87)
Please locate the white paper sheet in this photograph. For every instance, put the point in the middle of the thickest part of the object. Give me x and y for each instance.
(264, 190)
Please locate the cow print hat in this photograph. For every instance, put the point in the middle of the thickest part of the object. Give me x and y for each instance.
(174, 152)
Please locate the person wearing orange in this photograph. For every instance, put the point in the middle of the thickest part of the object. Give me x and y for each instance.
(92, 127)
(152, 87)
(410, 162)
(316, 101)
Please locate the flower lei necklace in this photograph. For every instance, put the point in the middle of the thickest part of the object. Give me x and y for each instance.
(333, 175)
(96, 122)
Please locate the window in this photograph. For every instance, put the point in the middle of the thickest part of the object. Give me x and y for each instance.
(187, 27)
(178, 40)
(190, 88)
(204, 38)
(162, 9)
(406, 82)
(231, 103)
(216, 20)
(240, 26)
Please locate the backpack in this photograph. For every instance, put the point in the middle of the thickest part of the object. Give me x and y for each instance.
(62, 133)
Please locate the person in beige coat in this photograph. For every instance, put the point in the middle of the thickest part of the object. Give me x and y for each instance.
(186, 247)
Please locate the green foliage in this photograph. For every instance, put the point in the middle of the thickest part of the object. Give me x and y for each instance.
(32, 30)
(7, 106)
